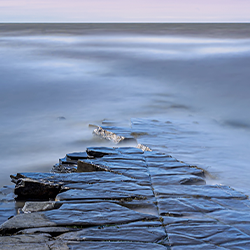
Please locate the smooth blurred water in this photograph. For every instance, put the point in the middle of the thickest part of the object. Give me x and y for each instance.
(196, 76)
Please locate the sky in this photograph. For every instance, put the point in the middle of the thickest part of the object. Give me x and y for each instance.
(124, 10)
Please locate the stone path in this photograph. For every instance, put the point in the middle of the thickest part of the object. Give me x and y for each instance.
(123, 198)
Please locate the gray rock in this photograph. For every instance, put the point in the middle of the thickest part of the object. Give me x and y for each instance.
(114, 233)
(19, 239)
(22, 221)
(89, 214)
(25, 246)
(30, 207)
(47, 230)
(115, 134)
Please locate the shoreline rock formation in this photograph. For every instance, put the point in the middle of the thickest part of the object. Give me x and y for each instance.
(123, 198)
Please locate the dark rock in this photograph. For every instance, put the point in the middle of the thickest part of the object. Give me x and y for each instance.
(101, 151)
(32, 189)
(83, 166)
(77, 155)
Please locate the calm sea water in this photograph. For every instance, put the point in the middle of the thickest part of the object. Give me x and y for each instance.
(55, 79)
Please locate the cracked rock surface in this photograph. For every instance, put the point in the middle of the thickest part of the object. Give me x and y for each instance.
(123, 198)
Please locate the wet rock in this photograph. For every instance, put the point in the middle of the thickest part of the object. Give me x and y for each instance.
(76, 156)
(114, 233)
(24, 242)
(231, 204)
(186, 205)
(63, 179)
(130, 169)
(199, 246)
(176, 171)
(231, 216)
(205, 191)
(22, 221)
(101, 151)
(75, 194)
(88, 167)
(32, 189)
(30, 207)
(130, 189)
(177, 180)
(19, 239)
(215, 234)
(195, 218)
(104, 245)
(129, 150)
(89, 214)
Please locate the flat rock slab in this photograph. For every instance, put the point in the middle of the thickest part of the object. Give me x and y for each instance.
(76, 215)
(125, 198)
(90, 245)
(88, 177)
(205, 191)
(121, 188)
(161, 171)
(114, 233)
(183, 206)
(187, 179)
(216, 234)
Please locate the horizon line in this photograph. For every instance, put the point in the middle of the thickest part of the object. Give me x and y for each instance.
(132, 22)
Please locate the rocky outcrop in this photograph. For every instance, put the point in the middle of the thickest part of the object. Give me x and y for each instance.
(124, 198)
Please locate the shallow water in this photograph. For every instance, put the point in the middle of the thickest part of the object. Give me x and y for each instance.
(56, 79)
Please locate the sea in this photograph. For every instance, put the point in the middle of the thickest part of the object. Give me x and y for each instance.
(56, 79)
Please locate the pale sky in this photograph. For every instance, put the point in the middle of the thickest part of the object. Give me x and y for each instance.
(124, 10)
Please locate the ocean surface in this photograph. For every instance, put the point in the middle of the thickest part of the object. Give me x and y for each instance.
(56, 79)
